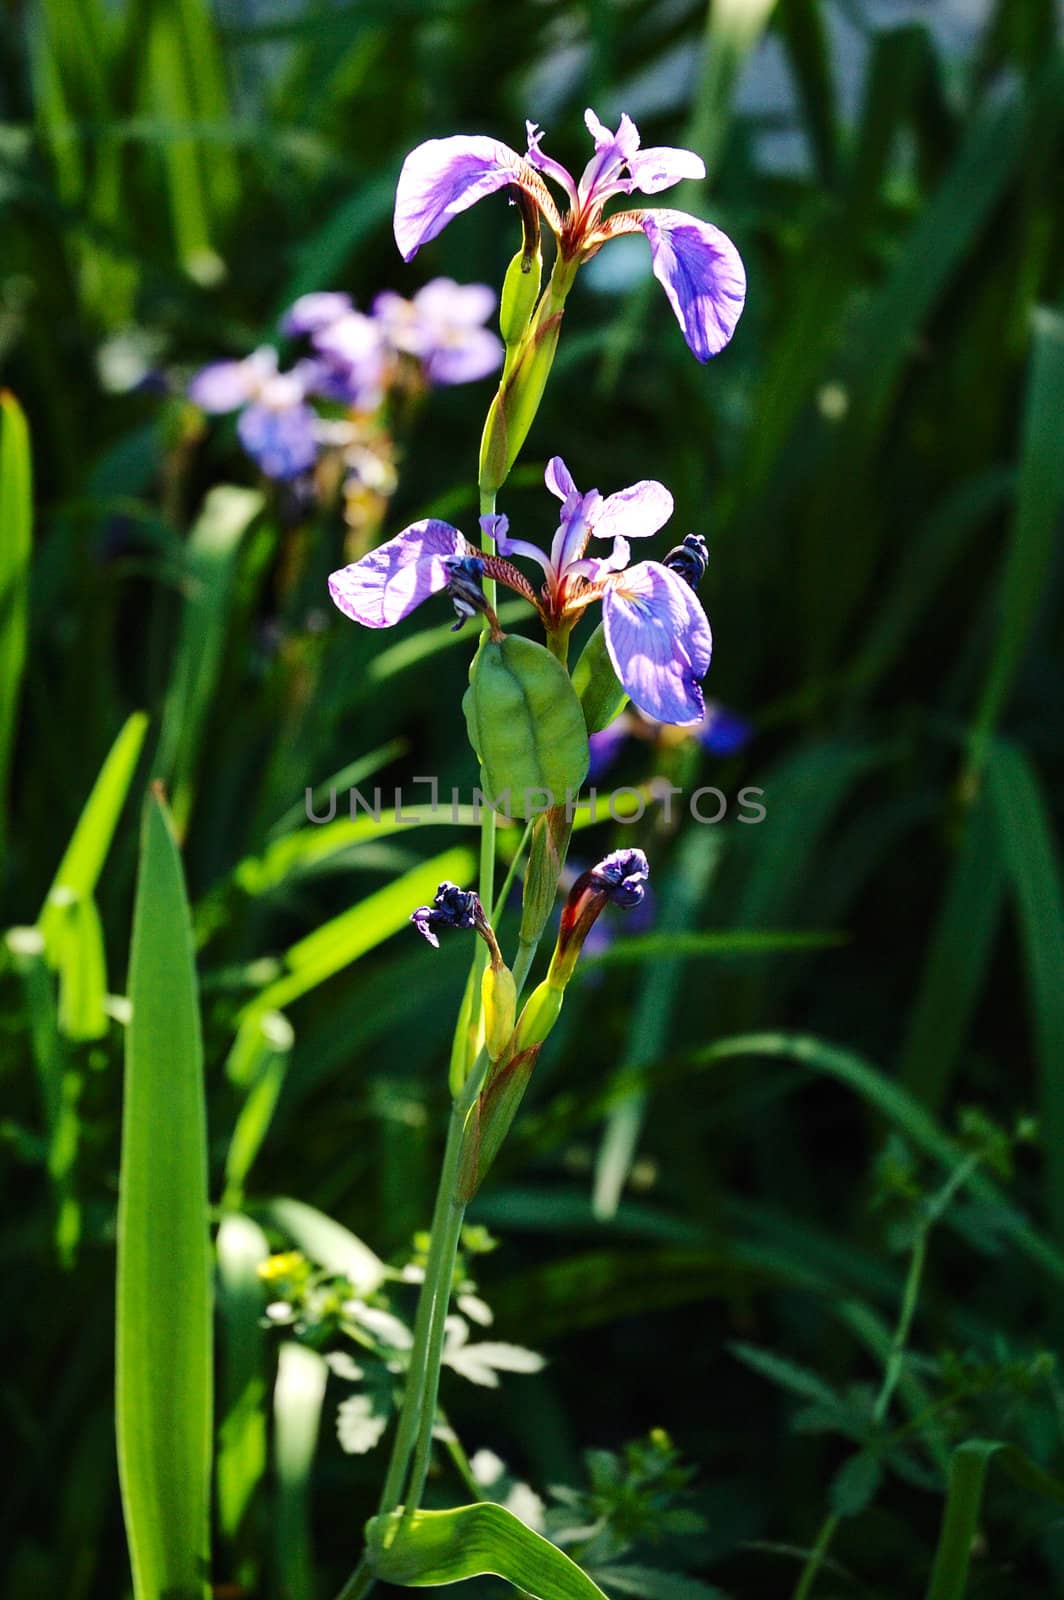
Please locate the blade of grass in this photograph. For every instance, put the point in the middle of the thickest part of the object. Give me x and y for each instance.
(16, 525)
(241, 1448)
(297, 1401)
(163, 1343)
(1033, 862)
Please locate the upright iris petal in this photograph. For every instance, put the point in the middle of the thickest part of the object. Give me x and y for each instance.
(386, 585)
(659, 641)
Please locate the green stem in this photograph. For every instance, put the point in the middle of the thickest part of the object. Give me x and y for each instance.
(816, 1558)
(358, 1584)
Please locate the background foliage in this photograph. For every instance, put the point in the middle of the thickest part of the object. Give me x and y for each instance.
(736, 1155)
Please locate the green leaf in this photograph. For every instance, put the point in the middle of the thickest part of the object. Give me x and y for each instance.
(855, 1484)
(16, 524)
(343, 939)
(787, 1374)
(163, 1364)
(964, 1499)
(241, 1450)
(80, 868)
(647, 1583)
(1040, 497)
(268, 1065)
(297, 1401)
(1033, 863)
(430, 1548)
(211, 556)
(327, 1243)
(78, 954)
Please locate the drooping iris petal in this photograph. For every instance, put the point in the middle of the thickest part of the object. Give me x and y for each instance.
(314, 311)
(701, 272)
(446, 176)
(392, 580)
(659, 641)
(663, 167)
(633, 513)
(559, 479)
(281, 440)
(227, 385)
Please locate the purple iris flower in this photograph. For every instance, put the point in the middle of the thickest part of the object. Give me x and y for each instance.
(443, 327)
(696, 264)
(312, 312)
(351, 360)
(277, 428)
(657, 633)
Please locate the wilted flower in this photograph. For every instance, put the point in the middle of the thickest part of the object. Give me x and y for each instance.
(657, 634)
(452, 907)
(696, 264)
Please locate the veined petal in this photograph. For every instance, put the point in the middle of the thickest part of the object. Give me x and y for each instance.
(613, 151)
(386, 585)
(659, 641)
(702, 274)
(633, 513)
(546, 164)
(446, 176)
(496, 526)
(559, 479)
(661, 168)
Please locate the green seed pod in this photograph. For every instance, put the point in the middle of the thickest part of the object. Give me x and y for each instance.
(546, 858)
(517, 399)
(525, 724)
(601, 695)
(541, 1012)
(520, 291)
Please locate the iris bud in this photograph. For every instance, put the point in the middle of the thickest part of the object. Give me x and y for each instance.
(499, 996)
(525, 724)
(541, 1012)
(520, 291)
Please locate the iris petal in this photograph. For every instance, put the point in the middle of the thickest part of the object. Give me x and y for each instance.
(662, 168)
(391, 581)
(633, 513)
(659, 641)
(446, 176)
(702, 274)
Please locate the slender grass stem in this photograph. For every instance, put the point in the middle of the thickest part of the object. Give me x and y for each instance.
(934, 1210)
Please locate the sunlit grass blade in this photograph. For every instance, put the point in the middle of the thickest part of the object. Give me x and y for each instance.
(241, 1446)
(212, 550)
(343, 939)
(16, 525)
(274, 1037)
(163, 1345)
(656, 997)
(1039, 499)
(298, 1395)
(83, 860)
(1033, 861)
(430, 1548)
(169, 77)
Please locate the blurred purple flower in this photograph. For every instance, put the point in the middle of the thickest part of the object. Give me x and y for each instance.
(352, 360)
(723, 732)
(276, 427)
(696, 264)
(443, 327)
(314, 311)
